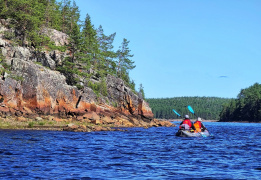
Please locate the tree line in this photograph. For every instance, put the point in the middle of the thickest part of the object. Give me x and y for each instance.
(91, 52)
(246, 107)
(205, 107)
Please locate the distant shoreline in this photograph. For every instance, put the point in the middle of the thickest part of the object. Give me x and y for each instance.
(190, 119)
(193, 120)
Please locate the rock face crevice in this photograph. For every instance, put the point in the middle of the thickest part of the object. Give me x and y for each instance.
(40, 90)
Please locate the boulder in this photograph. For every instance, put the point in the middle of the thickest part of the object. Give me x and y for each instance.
(83, 127)
(59, 38)
(100, 128)
(27, 110)
(58, 119)
(91, 116)
(21, 119)
(71, 127)
(107, 120)
(2, 43)
(96, 121)
(38, 119)
(80, 118)
(50, 118)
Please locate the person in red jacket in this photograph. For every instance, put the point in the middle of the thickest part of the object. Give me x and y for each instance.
(199, 125)
(186, 124)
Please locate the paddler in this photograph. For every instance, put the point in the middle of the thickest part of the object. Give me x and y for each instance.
(186, 124)
(199, 125)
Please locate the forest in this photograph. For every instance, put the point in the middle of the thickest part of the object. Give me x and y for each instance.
(246, 107)
(91, 55)
(205, 107)
(90, 52)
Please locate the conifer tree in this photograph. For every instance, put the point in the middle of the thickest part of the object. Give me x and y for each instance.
(26, 17)
(107, 54)
(247, 106)
(124, 63)
(141, 91)
(4, 9)
(75, 42)
(52, 14)
(75, 14)
(90, 49)
(65, 10)
(90, 42)
(69, 64)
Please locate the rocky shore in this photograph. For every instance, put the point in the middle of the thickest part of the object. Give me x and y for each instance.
(34, 95)
(57, 124)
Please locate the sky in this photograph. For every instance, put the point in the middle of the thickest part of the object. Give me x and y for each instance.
(185, 47)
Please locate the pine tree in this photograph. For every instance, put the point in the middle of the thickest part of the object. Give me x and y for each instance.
(52, 15)
(65, 6)
(124, 63)
(68, 67)
(75, 42)
(107, 54)
(90, 42)
(75, 15)
(26, 18)
(91, 51)
(4, 9)
(141, 91)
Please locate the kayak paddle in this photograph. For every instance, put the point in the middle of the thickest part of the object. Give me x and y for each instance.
(192, 111)
(176, 113)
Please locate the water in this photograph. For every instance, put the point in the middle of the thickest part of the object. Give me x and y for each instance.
(233, 152)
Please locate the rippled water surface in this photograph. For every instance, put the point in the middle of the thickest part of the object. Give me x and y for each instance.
(233, 152)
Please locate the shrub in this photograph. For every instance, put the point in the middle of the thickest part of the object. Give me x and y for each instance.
(9, 35)
(41, 123)
(31, 124)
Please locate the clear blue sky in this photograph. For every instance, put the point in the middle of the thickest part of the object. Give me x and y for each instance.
(185, 47)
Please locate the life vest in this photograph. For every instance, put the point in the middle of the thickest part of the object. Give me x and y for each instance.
(188, 122)
(197, 126)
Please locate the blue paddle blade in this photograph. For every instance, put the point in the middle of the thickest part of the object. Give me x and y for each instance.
(176, 113)
(203, 135)
(191, 110)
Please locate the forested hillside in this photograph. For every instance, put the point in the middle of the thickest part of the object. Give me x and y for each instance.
(205, 107)
(247, 106)
(54, 67)
(89, 55)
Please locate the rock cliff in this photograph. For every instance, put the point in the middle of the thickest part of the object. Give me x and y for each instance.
(34, 88)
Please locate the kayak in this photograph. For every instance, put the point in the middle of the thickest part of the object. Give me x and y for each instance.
(186, 133)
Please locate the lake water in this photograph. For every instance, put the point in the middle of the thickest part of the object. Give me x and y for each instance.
(233, 152)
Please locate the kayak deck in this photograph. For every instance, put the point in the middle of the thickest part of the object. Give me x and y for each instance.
(187, 133)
